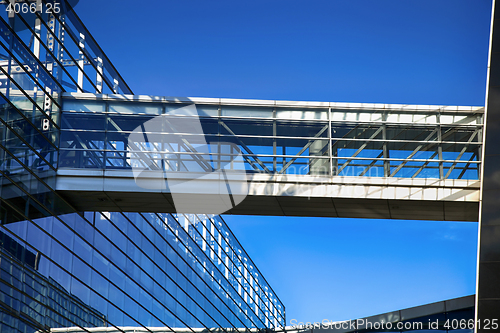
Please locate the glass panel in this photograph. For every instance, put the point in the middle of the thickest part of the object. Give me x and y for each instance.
(289, 113)
(317, 129)
(135, 107)
(246, 111)
(83, 105)
(126, 123)
(85, 121)
(207, 110)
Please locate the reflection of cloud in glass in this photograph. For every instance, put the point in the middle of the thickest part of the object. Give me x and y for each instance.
(169, 153)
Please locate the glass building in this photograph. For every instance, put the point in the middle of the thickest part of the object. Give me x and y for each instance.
(61, 267)
(99, 263)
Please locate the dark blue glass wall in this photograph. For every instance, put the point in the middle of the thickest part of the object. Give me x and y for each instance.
(131, 269)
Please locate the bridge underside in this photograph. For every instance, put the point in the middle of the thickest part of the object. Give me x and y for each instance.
(287, 206)
(285, 195)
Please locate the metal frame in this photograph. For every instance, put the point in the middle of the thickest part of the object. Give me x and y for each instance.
(452, 133)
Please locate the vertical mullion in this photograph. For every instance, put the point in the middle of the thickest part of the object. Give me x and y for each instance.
(219, 150)
(330, 155)
(99, 76)
(274, 141)
(60, 48)
(440, 147)
(385, 151)
(106, 143)
(479, 149)
(81, 63)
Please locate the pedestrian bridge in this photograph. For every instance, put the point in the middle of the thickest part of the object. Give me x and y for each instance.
(276, 157)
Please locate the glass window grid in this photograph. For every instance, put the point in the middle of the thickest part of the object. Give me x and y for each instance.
(27, 169)
(235, 258)
(113, 81)
(209, 267)
(37, 101)
(27, 57)
(73, 277)
(15, 114)
(179, 232)
(30, 203)
(37, 306)
(212, 280)
(137, 278)
(45, 49)
(254, 270)
(176, 267)
(28, 151)
(110, 80)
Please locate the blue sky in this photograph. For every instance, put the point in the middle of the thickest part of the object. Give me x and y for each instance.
(388, 51)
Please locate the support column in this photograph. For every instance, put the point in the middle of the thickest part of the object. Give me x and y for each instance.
(385, 151)
(318, 166)
(488, 278)
(81, 63)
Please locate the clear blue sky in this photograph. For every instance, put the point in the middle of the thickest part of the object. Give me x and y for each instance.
(388, 51)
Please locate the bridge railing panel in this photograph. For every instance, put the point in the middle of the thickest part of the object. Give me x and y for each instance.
(418, 142)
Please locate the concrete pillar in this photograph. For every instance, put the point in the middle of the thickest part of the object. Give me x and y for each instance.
(488, 280)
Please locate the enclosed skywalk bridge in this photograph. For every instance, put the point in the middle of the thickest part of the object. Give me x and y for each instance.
(287, 158)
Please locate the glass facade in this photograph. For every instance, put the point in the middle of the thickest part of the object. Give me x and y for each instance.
(130, 269)
(99, 271)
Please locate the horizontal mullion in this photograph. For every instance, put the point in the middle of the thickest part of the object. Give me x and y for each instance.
(270, 119)
(408, 141)
(267, 155)
(278, 137)
(404, 160)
